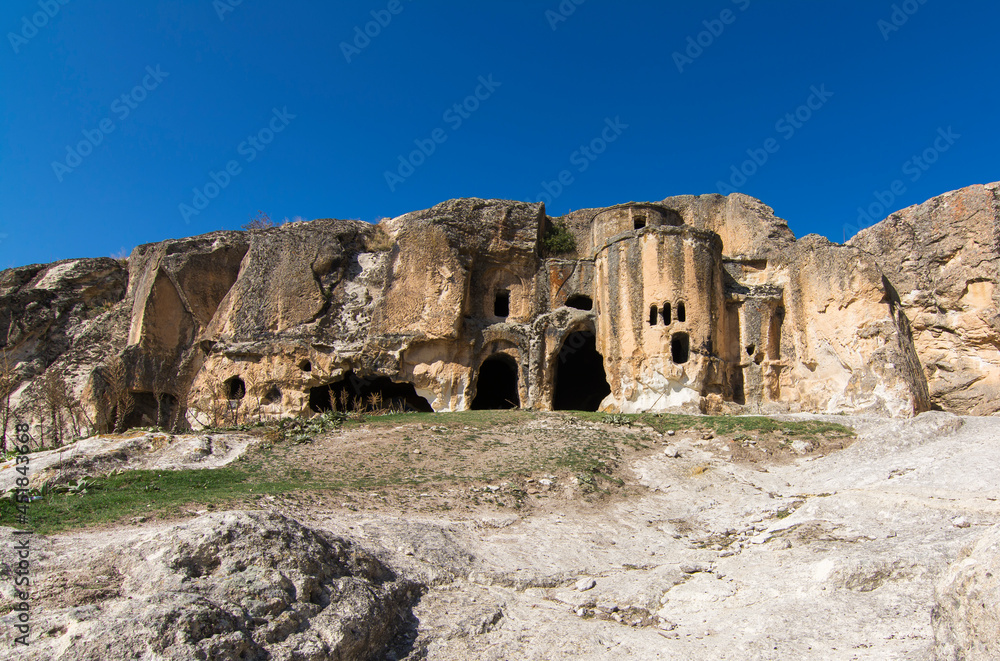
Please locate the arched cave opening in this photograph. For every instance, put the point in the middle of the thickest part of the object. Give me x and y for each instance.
(272, 396)
(681, 313)
(235, 388)
(580, 381)
(666, 314)
(680, 348)
(496, 385)
(143, 413)
(653, 314)
(580, 302)
(354, 393)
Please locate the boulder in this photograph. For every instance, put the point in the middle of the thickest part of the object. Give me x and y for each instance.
(228, 586)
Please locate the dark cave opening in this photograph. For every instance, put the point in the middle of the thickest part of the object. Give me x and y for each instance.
(354, 393)
(496, 385)
(580, 302)
(235, 388)
(272, 396)
(680, 348)
(580, 381)
(148, 411)
(736, 383)
(501, 304)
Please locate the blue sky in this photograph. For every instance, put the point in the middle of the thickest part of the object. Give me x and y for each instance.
(125, 123)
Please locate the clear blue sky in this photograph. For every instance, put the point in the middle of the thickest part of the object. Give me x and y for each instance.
(554, 86)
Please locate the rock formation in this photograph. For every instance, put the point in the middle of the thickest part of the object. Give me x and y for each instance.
(941, 256)
(227, 587)
(704, 303)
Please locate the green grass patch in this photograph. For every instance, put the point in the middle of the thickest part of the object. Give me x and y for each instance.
(456, 449)
(138, 493)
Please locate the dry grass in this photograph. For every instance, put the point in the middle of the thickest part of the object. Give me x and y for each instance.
(380, 241)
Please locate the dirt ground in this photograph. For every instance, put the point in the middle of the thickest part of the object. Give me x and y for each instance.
(558, 536)
(515, 462)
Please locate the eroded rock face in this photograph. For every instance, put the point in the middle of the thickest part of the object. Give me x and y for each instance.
(60, 319)
(44, 309)
(966, 614)
(848, 347)
(227, 587)
(942, 256)
(703, 303)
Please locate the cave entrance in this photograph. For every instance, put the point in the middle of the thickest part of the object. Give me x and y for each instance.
(501, 304)
(580, 381)
(496, 386)
(235, 388)
(148, 410)
(680, 348)
(355, 393)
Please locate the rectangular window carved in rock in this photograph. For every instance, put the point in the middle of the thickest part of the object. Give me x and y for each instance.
(501, 304)
(680, 348)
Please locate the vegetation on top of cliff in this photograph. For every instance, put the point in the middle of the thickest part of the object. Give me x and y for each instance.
(558, 239)
(380, 241)
(261, 221)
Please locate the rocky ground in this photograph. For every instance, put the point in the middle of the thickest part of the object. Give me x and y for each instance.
(693, 546)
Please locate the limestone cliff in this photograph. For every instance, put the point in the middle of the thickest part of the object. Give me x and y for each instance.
(704, 303)
(941, 256)
(57, 320)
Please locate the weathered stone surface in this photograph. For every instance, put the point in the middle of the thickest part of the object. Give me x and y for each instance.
(45, 308)
(704, 303)
(833, 556)
(229, 586)
(93, 458)
(61, 319)
(850, 344)
(942, 258)
(966, 613)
